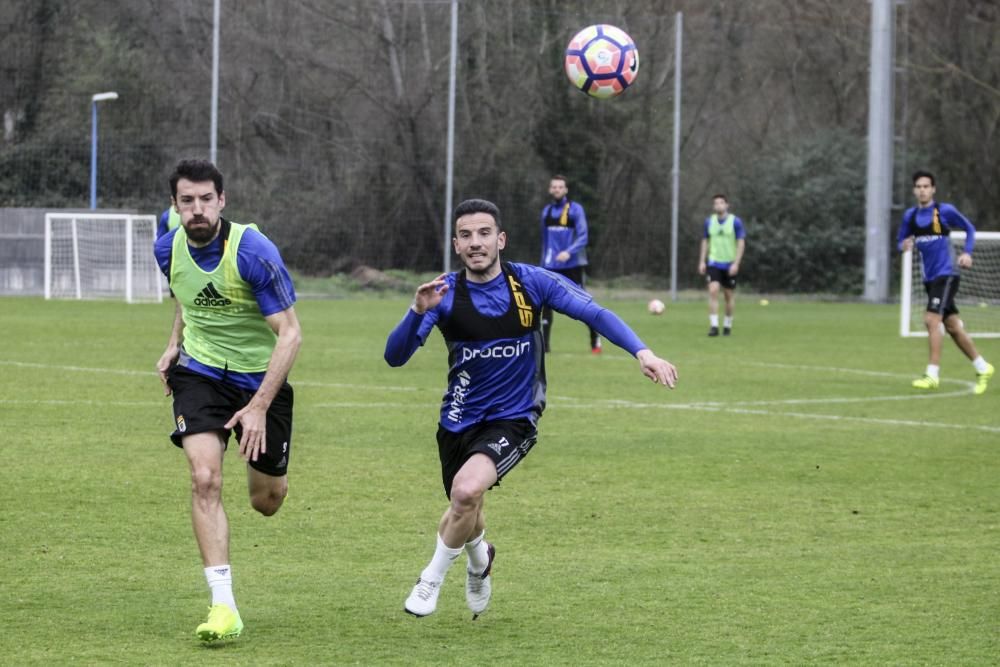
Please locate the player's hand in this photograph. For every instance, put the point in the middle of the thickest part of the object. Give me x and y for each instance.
(702, 268)
(734, 268)
(253, 419)
(429, 295)
(658, 370)
(563, 257)
(965, 260)
(163, 365)
(907, 244)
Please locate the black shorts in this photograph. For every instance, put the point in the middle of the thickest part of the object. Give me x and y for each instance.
(721, 276)
(506, 441)
(203, 404)
(941, 295)
(575, 274)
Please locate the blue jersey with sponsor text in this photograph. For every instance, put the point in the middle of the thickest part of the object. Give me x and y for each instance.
(496, 366)
(930, 227)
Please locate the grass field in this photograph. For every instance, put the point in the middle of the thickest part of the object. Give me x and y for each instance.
(793, 501)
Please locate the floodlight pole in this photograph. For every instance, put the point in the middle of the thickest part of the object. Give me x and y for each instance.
(99, 97)
(214, 125)
(449, 179)
(880, 148)
(676, 172)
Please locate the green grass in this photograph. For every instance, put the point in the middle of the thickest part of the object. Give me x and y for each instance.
(715, 524)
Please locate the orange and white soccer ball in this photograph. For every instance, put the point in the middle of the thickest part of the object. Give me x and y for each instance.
(656, 307)
(602, 61)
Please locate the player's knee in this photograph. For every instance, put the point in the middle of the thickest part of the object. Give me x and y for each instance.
(206, 482)
(268, 501)
(465, 495)
(953, 325)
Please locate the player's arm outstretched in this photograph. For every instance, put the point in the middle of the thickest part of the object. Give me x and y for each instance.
(566, 298)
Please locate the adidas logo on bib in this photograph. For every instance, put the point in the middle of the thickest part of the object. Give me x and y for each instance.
(209, 296)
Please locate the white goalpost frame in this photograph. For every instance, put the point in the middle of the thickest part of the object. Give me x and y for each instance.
(906, 285)
(153, 280)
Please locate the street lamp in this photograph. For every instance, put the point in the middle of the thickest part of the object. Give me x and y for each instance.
(99, 97)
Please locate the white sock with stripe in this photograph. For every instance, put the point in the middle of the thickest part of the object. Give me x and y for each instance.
(443, 557)
(220, 582)
(479, 556)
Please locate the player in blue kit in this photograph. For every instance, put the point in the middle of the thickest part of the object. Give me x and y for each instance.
(927, 226)
(489, 316)
(564, 247)
(234, 339)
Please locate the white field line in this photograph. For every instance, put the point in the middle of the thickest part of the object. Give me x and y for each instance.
(120, 371)
(573, 403)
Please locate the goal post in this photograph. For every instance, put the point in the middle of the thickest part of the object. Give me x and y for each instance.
(978, 297)
(101, 256)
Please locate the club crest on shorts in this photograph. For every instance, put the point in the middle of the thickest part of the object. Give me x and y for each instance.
(181, 426)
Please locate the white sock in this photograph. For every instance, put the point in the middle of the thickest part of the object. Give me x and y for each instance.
(479, 556)
(220, 582)
(980, 364)
(933, 371)
(443, 557)
(713, 320)
(728, 322)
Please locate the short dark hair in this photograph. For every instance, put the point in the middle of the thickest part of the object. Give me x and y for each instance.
(920, 173)
(470, 206)
(195, 171)
(560, 177)
(720, 196)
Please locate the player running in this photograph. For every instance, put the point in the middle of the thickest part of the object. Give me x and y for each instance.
(927, 225)
(489, 314)
(234, 340)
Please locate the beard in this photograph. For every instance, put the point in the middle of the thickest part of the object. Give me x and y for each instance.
(201, 233)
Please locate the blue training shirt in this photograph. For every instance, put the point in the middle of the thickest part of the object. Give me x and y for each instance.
(260, 265)
(502, 378)
(738, 230)
(937, 255)
(571, 237)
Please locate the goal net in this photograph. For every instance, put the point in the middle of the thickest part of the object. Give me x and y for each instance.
(978, 297)
(101, 256)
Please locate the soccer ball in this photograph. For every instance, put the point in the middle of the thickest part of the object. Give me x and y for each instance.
(602, 61)
(656, 307)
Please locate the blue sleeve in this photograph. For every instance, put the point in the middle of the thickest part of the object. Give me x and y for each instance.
(260, 265)
(545, 236)
(905, 228)
(566, 297)
(738, 228)
(580, 226)
(953, 218)
(161, 250)
(161, 226)
(408, 335)
(705, 229)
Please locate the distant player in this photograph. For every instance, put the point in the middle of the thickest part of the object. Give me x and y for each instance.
(927, 225)
(722, 243)
(489, 316)
(169, 220)
(234, 340)
(564, 247)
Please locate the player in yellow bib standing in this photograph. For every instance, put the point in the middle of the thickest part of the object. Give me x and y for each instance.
(722, 246)
(234, 340)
